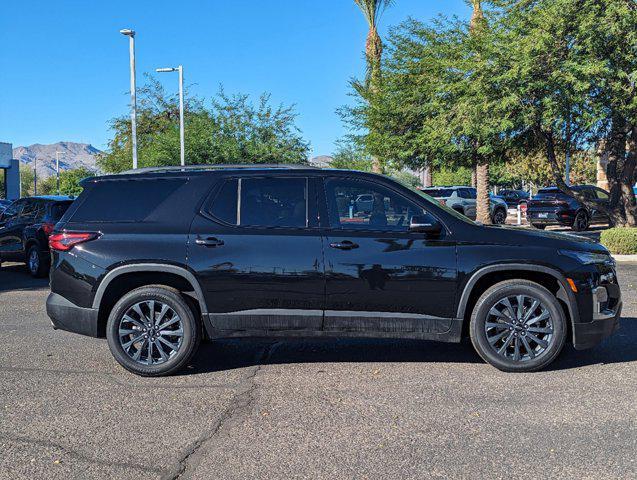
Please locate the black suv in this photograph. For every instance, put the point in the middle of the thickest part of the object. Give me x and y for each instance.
(158, 259)
(553, 207)
(25, 227)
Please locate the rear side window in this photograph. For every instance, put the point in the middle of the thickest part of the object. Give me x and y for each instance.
(225, 206)
(262, 202)
(126, 200)
(58, 209)
(438, 192)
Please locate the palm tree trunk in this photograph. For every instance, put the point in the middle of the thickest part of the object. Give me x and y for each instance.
(483, 203)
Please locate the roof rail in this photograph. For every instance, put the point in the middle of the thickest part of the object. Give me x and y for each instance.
(188, 168)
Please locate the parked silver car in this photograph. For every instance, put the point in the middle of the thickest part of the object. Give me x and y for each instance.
(463, 200)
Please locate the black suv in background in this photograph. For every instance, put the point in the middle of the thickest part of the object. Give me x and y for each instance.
(553, 207)
(513, 198)
(25, 227)
(157, 259)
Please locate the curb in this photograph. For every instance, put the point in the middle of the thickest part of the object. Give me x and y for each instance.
(625, 258)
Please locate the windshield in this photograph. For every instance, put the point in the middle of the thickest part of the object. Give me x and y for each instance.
(447, 209)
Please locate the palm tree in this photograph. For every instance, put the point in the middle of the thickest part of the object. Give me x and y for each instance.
(483, 203)
(372, 10)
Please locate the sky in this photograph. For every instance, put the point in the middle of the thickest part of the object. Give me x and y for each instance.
(64, 66)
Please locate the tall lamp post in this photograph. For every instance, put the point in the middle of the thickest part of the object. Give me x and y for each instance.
(133, 97)
(57, 169)
(180, 69)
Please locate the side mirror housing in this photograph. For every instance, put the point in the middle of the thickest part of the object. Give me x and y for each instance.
(423, 224)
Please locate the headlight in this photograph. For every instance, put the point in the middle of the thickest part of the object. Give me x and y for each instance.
(587, 258)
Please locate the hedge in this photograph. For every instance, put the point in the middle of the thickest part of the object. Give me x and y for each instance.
(620, 241)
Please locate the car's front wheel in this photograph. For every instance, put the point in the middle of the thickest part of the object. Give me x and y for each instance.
(499, 216)
(518, 326)
(152, 331)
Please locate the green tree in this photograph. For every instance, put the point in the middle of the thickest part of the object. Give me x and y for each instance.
(230, 129)
(26, 180)
(570, 66)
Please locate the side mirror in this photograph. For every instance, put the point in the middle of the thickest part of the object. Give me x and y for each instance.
(422, 224)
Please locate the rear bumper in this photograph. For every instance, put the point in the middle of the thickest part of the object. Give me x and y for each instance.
(551, 218)
(65, 315)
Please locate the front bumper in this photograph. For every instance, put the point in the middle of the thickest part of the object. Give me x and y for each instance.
(607, 308)
(65, 315)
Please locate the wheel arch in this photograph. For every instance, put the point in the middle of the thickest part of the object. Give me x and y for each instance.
(135, 275)
(488, 276)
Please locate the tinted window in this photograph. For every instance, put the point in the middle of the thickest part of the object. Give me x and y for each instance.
(438, 192)
(12, 211)
(58, 209)
(30, 209)
(550, 193)
(273, 202)
(365, 205)
(225, 203)
(601, 194)
(126, 200)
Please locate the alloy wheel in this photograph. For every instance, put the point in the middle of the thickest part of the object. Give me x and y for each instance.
(34, 261)
(150, 332)
(581, 221)
(519, 328)
(500, 217)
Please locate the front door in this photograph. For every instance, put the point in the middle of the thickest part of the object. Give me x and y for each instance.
(380, 277)
(256, 250)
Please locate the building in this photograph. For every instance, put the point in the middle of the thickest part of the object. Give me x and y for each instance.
(11, 169)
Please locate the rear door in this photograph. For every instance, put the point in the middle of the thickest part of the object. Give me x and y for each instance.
(380, 277)
(256, 250)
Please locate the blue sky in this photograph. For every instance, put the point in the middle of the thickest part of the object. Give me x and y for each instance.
(64, 66)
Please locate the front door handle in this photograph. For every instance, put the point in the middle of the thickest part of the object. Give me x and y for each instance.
(209, 242)
(344, 245)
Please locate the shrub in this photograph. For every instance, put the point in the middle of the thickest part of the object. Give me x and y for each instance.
(620, 241)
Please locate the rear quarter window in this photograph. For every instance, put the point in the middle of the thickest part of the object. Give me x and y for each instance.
(127, 200)
(58, 209)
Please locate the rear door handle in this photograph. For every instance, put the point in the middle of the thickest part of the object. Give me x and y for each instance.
(209, 242)
(344, 245)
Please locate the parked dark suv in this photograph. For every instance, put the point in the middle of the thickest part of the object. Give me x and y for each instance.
(553, 207)
(25, 227)
(157, 259)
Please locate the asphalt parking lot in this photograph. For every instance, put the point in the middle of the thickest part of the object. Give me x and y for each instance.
(351, 409)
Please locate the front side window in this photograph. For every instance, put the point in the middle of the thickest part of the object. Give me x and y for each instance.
(262, 202)
(363, 205)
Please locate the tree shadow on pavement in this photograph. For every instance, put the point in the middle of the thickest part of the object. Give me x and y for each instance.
(621, 347)
(16, 277)
(246, 352)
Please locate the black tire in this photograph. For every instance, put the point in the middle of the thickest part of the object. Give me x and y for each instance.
(581, 222)
(499, 216)
(177, 359)
(35, 264)
(534, 361)
(538, 226)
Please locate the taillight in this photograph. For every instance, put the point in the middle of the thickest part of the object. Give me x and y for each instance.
(47, 228)
(442, 201)
(63, 242)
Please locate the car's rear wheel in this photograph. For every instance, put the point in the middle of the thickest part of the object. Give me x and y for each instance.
(38, 268)
(581, 221)
(152, 331)
(518, 326)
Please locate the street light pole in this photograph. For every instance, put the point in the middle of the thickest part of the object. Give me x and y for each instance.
(180, 69)
(133, 94)
(57, 169)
